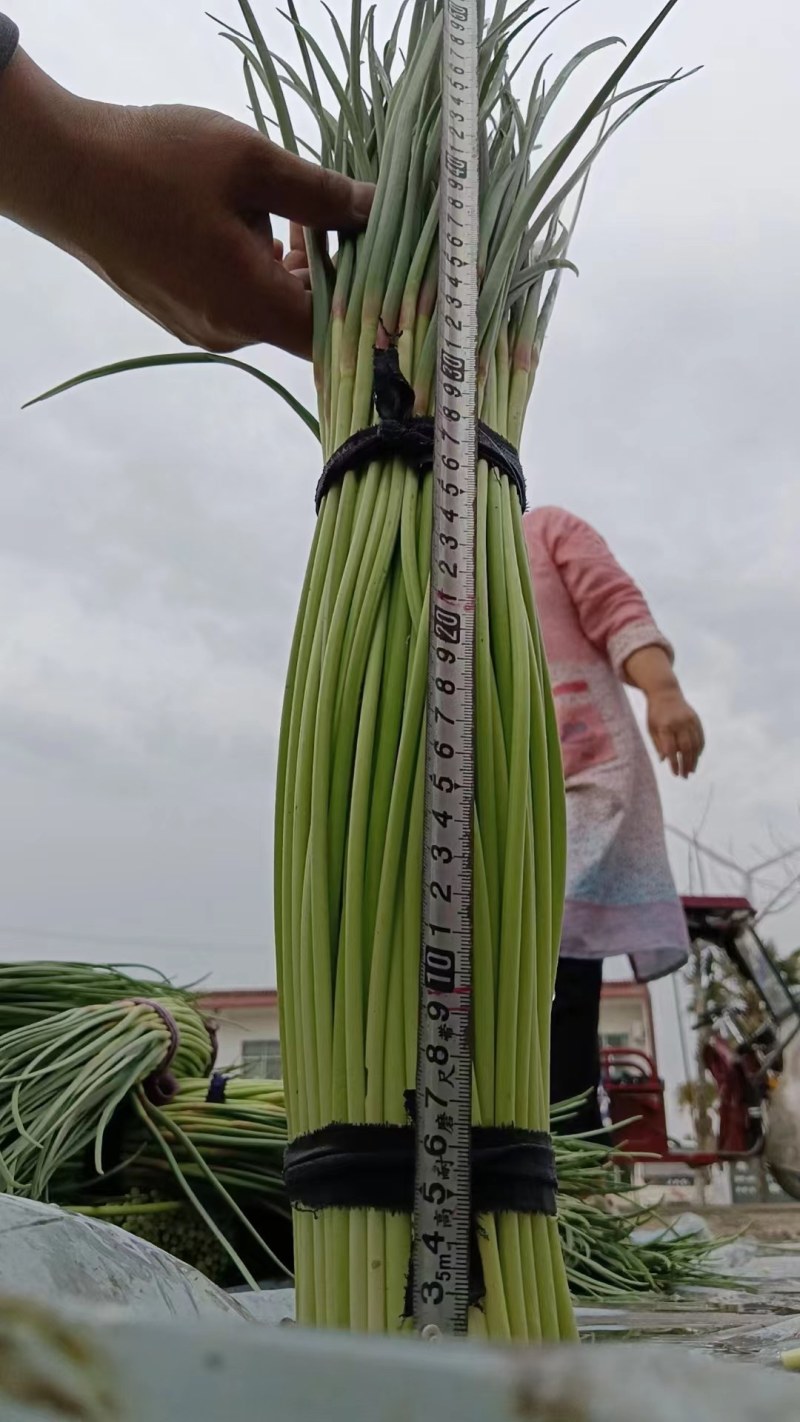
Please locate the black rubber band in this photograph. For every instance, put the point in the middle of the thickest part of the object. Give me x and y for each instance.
(372, 1167)
(400, 432)
(216, 1088)
(161, 1085)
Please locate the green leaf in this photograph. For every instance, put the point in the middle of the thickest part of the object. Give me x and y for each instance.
(674, 78)
(312, 81)
(339, 33)
(271, 78)
(358, 138)
(182, 358)
(248, 52)
(416, 28)
(324, 120)
(377, 87)
(554, 18)
(574, 63)
(549, 169)
(255, 102)
(357, 38)
(390, 49)
(508, 27)
(529, 275)
(226, 26)
(575, 177)
(313, 153)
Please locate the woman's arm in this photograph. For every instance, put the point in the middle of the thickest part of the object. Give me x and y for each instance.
(617, 620)
(676, 730)
(170, 205)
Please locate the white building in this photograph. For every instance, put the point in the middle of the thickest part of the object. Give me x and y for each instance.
(248, 1032)
(246, 1022)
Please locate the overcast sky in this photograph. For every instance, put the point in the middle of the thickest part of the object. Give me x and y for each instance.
(154, 528)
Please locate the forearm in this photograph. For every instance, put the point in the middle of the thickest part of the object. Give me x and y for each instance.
(41, 127)
(650, 669)
(170, 205)
(674, 727)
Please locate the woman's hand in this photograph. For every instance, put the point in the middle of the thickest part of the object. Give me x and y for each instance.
(171, 206)
(676, 730)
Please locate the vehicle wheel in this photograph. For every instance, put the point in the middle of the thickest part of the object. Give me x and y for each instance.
(788, 1180)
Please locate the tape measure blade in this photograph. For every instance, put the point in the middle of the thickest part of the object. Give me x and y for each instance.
(441, 1252)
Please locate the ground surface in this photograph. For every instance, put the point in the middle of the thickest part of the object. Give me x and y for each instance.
(757, 1320)
(770, 1224)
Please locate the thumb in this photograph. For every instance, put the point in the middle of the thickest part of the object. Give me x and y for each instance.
(290, 187)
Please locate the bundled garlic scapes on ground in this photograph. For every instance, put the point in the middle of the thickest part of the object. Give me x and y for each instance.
(349, 815)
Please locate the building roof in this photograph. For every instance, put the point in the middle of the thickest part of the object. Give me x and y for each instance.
(231, 999)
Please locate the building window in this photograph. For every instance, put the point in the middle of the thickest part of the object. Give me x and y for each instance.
(615, 1039)
(262, 1058)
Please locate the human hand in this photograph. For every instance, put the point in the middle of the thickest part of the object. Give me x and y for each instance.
(676, 730)
(171, 206)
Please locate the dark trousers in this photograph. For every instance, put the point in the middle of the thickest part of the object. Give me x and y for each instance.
(575, 1043)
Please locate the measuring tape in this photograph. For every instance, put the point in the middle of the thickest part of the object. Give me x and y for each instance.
(441, 1254)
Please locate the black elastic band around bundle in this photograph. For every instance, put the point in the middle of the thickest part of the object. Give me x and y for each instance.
(216, 1088)
(161, 1086)
(410, 437)
(370, 1167)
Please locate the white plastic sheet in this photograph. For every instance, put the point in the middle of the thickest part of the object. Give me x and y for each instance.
(141, 1372)
(48, 1254)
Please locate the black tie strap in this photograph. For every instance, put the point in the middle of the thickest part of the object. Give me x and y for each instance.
(161, 1085)
(350, 1167)
(216, 1088)
(400, 432)
(372, 1168)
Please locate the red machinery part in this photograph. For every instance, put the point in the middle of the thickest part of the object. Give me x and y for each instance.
(636, 1101)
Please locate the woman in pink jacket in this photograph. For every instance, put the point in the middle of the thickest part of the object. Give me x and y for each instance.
(599, 634)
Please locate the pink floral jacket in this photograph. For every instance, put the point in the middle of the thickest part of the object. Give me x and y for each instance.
(620, 893)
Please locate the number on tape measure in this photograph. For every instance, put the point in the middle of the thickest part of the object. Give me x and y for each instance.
(444, 1067)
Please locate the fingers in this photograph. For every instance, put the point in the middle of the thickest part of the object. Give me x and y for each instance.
(681, 743)
(698, 740)
(667, 747)
(689, 751)
(297, 240)
(285, 313)
(691, 743)
(264, 301)
(279, 182)
(259, 301)
(295, 261)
